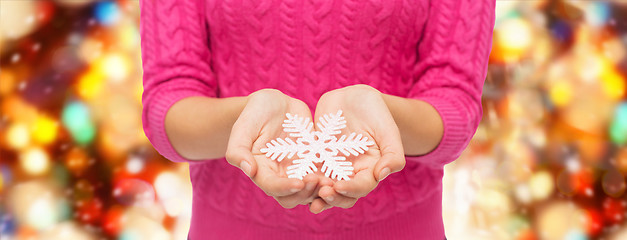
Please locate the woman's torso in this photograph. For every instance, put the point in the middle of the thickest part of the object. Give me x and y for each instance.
(306, 48)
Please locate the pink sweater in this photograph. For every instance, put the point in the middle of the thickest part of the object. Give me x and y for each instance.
(433, 50)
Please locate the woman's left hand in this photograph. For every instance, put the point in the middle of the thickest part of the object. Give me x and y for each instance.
(365, 112)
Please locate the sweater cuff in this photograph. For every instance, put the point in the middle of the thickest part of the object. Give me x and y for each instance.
(456, 132)
(159, 106)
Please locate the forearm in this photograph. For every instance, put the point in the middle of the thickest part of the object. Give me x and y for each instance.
(199, 127)
(419, 123)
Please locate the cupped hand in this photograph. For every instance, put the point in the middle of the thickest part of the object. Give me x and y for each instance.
(261, 121)
(366, 113)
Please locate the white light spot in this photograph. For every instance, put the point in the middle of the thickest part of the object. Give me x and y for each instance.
(117, 191)
(15, 58)
(74, 38)
(30, 19)
(572, 164)
(134, 165)
(21, 86)
(34, 161)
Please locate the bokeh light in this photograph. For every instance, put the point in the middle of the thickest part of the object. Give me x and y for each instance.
(45, 129)
(561, 93)
(613, 183)
(512, 38)
(597, 13)
(541, 185)
(612, 82)
(90, 84)
(17, 18)
(135, 165)
(618, 127)
(115, 67)
(18, 136)
(35, 161)
(38, 205)
(76, 118)
(560, 220)
(107, 12)
(172, 192)
(76, 160)
(134, 192)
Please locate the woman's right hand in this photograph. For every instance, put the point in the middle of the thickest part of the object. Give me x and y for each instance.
(261, 121)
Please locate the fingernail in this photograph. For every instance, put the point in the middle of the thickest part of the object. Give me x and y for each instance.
(293, 190)
(310, 186)
(329, 199)
(245, 166)
(384, 173)
(342, 192)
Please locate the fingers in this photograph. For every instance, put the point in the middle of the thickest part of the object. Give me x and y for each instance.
(318, 205)
(305, 196)
(239, 154)
(345, 194)
(331, 197)
(325, 181)
(276, 186)
(362, 183)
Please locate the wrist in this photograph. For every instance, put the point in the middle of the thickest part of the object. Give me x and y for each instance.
(419, 137)
(198, 127)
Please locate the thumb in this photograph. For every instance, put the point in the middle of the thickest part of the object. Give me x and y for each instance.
(239, 150)
(389, 141)
(390, 162)
(242, 158)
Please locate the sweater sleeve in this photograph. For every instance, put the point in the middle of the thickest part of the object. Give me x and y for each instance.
(176, 63)
(451, 68)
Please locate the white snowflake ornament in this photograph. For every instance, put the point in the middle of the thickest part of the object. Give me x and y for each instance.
(317, 146)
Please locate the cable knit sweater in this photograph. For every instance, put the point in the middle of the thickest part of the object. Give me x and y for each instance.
(432, 50)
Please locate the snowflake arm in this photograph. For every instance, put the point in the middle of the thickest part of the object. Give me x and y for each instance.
(331, 125)
(337, 167)
(354, 144)
(279, 149)
(298, 127)
(300, 168)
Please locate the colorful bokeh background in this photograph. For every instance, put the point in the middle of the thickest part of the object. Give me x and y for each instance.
(547, 162)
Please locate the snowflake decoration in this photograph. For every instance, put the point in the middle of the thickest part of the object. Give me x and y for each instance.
(317, 146)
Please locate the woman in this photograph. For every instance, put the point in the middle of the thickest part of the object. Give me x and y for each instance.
(220, 76)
